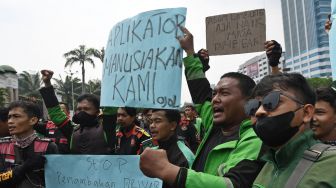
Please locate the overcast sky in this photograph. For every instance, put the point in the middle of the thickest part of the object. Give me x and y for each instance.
(34, 34)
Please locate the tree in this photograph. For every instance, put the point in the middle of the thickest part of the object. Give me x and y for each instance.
(94, 86)
(81, 55)
(319, 82)
(3, 96)
(100, 54)
(64, 88)
(29, 84)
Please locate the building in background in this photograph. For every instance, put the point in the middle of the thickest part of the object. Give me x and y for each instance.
(8, 85)
(257, 67)
(306, 42)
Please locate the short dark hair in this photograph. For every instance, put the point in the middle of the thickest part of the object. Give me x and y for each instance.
(189, 105)
(3, 114)
(131, 111)
(30, 108)
(171, 115)
(328, 95)
(146, 110)
(286, 81)
(66, 105)
(246, 84)
(91, 98)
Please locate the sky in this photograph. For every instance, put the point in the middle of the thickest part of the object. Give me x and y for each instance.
(34, 34)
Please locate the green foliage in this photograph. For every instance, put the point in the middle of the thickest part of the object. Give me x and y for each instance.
(64, 88)
(29, 84)
(319, 82)
(94, 87)
(99, 54)
(80, 55)
(3, 96)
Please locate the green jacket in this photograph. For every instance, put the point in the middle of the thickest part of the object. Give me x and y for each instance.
(281, 164)
(230, 163)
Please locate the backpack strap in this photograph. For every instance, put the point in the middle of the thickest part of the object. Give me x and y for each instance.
(310, 156)
(188, 154)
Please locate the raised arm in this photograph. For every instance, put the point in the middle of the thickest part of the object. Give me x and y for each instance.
(273, 51)
(56, 114)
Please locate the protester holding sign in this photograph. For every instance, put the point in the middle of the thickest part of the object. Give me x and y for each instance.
(228, 154)
(90, 137)
(129, 134)
(163, 130)
(21, 160)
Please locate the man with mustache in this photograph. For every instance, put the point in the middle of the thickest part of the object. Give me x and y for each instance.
(228, 154)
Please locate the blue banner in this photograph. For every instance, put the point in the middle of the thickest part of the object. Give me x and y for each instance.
(96, 171)
(143, 61)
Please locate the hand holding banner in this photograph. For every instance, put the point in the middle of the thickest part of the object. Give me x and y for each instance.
(96, 171)
(236, 33)
(143, 61)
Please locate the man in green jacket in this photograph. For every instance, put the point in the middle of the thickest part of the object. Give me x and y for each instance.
(283, 106)
(228, 154)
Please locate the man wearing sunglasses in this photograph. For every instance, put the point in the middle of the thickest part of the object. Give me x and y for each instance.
(228, 154)
(283, 106)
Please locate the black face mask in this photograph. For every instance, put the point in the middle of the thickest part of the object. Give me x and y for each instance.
(84, 119)
(276, 130)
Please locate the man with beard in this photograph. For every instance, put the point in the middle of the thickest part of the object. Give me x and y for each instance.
(21, 155)
(90, 136)
(228, 154)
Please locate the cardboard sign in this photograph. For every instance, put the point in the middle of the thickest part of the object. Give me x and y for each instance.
(96, 171)
(143, 61)
(236, 33)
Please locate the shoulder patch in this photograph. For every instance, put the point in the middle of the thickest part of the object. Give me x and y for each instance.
(142, 132)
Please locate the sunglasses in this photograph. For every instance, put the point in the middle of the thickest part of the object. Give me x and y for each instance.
(270, 102)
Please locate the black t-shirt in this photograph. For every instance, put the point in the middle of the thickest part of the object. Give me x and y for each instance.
(215, 138)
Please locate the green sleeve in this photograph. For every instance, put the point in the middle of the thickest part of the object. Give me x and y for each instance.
(193, 68)
(203, 180)
(57, 115)
(205, 112)
(62, 121)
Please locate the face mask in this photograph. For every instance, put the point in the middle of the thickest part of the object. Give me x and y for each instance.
(276, 130)
(84, 119)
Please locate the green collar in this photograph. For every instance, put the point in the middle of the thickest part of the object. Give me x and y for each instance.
(292, 151)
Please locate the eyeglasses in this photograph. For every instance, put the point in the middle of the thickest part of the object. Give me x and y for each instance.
(270, 102)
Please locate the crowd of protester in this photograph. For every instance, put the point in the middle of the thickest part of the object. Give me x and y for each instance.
(277, 133)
